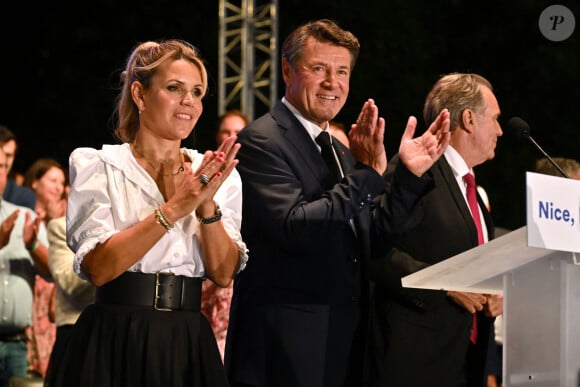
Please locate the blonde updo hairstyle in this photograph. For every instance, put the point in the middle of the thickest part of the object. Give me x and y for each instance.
(142, 64)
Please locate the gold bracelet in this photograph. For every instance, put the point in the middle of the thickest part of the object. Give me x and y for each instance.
(162, 219)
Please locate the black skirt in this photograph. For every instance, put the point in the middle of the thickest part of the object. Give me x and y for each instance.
(117, 345)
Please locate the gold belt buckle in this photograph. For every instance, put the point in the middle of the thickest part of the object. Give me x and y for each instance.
(157, 283)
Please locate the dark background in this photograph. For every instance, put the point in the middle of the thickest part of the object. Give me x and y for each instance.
(60, 66)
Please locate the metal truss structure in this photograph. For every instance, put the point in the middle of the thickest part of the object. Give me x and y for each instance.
(248, 63)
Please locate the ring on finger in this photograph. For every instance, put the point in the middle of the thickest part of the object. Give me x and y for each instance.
(204, 179)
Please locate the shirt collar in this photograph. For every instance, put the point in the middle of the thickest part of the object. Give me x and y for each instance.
(312, 129)
(456, 162)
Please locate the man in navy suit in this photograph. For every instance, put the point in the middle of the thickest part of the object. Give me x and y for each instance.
(299, 310)
(14, 193)
(425, 337)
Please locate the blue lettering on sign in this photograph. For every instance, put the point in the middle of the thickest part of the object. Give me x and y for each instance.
(549, 211)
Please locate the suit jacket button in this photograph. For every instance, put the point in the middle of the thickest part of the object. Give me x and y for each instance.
(419, 304)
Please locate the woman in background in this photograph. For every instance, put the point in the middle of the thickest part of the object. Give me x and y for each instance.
(47, 178)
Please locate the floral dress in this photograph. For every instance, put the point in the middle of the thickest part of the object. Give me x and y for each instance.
(42, 334)
(215, 305)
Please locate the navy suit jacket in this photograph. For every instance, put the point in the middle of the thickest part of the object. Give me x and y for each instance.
(304, 291)
(421, 337)
(16, 194)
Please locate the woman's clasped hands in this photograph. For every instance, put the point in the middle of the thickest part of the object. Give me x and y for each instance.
(197, 188)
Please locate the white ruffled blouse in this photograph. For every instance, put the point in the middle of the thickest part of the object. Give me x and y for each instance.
(110, 192)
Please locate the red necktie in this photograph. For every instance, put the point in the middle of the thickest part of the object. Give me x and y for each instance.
(469, 180)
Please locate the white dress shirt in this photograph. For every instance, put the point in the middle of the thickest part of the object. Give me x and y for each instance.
(17, 272)
(460, 168)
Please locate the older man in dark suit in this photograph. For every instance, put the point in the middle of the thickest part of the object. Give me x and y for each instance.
(429, 337)
(298, 315)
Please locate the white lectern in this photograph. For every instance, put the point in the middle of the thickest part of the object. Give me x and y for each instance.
(541, 288)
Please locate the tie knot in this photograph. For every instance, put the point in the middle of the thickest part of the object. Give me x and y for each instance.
(469, 179)
(323, 139)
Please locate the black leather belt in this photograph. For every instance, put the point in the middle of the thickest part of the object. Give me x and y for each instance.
(12, 336)
(161, 291)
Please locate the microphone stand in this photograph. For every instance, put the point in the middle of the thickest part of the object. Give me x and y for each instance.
(548, 157)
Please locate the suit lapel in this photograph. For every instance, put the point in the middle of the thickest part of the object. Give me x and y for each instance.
(458, 198)
(297, 136)
(344, 155)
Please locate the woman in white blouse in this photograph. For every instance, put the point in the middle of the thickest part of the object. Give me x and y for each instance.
(148, 222)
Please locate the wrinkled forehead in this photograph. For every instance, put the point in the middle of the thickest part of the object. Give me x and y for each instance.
(320, 51)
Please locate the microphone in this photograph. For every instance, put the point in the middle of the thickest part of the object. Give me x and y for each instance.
(522, 129)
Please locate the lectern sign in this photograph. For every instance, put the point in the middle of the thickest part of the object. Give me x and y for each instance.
(536, 270)
(553, 212)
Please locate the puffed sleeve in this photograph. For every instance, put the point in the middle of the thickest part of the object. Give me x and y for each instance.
(89, 218)
(230, 198)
